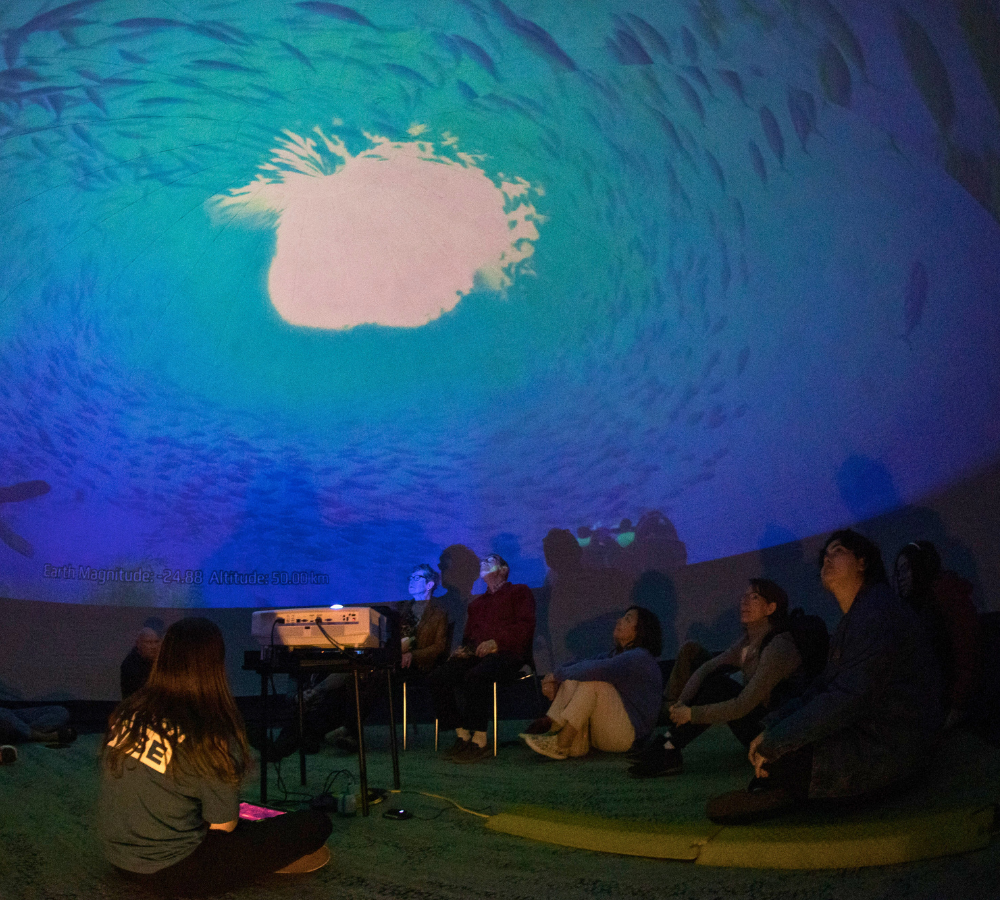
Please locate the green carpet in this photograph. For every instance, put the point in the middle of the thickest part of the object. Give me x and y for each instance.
(48, 849)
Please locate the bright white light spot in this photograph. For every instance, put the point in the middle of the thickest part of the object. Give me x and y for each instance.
(337, 606)
(394, 235)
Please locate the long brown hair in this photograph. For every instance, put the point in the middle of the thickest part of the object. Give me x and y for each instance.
(186, 698)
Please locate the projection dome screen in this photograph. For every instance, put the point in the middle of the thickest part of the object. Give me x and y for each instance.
(296, 294)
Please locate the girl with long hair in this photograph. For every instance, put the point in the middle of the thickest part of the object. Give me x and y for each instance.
(608, 702)
(174, 757)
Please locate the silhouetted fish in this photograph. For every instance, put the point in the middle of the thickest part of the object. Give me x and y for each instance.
(713, 164)
(691, 97)
(838, 29)
(696, 74)
(54, 20)
(298, 54)
(757, 158)
(221, 65)
(653, 39)
(802, 111)
(690, 44)
(627, 50)
(335, 11)
(927, 69)
(772, 131)
(834, 75)
(476, 53)
(733, 81)
(534, 36)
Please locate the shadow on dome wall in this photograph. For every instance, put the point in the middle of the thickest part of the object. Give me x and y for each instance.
(731, 262)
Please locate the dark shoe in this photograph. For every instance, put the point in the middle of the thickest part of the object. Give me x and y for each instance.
(8, 755)
(458, 747)
(656, 765)
(473, 753)
(641, 751)
(539, 726)
(647, 751)
(66, 734)
(741, 807)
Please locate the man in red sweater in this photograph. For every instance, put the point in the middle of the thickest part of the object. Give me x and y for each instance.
(497, 642)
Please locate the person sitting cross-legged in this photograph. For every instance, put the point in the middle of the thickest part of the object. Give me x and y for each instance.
(867, 724)
(765, 655)
(496, 643)
(606, 702)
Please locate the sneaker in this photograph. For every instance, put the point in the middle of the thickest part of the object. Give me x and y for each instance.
(655, 765)
(741, 807)
(8, 755)
(66, 734)
(458, 747)
(546, 745)
(473, 753)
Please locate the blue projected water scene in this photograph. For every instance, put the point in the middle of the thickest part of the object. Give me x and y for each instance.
(295, 295)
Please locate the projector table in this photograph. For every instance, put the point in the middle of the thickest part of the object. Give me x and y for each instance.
(299, 664)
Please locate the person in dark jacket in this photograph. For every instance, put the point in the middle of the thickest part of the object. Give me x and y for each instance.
(943, 601)
(135, 668)
(866, 724)
(499, 632)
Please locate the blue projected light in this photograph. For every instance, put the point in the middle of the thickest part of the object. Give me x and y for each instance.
(296, 294)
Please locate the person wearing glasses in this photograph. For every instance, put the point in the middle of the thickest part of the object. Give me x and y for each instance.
(424, 623)
(765, 655)
(329, 701)
(867, 724)
(499, 632)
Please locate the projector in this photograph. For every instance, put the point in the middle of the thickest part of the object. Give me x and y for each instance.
(353, 627)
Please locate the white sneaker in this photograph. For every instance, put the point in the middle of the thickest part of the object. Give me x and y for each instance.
(546, 744)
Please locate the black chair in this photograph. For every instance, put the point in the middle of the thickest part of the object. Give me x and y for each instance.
(419, 678)
(527, 674)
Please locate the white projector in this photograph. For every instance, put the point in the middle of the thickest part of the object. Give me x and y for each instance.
(353, 627)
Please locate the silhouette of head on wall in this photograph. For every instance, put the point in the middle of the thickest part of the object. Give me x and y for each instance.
(563, 552)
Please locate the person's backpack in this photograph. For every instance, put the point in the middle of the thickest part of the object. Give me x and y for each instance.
(811, 637)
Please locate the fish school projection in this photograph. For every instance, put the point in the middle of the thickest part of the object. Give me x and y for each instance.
(295, 295)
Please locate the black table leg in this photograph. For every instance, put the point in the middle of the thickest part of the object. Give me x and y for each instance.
(302, 743)
(263, 738)
(362, 767)
(392, 732)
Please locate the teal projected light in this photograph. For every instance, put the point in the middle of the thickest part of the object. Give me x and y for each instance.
(296, 294)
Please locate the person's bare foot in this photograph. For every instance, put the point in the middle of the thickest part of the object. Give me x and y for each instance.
(308, 863)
